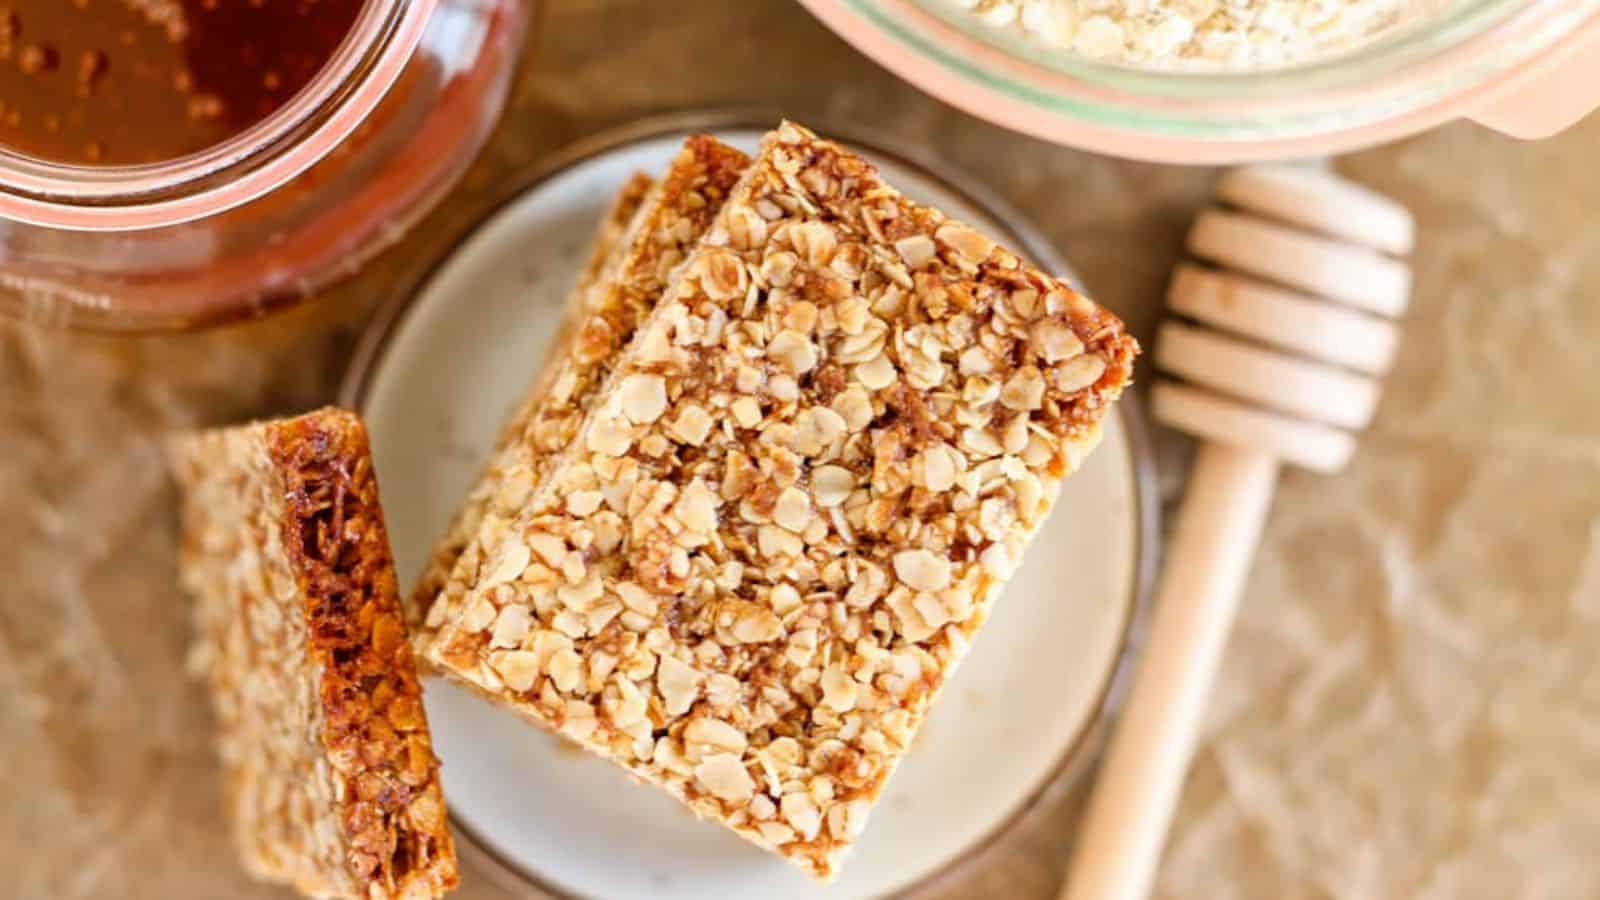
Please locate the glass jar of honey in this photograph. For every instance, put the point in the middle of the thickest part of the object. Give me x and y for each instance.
(169, 164)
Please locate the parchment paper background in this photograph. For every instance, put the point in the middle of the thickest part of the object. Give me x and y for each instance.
(1411, 702)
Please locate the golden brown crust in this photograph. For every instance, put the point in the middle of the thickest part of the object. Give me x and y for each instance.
(794, 503)
(332, 785)
(374, 727)
(666, 228)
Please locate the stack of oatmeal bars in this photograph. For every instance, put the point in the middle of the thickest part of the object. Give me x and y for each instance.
(793, 437)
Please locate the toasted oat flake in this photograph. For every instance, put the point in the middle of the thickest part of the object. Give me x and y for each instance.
(793, 642)
(331, 783)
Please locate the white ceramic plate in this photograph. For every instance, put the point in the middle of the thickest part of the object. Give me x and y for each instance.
(435, 381)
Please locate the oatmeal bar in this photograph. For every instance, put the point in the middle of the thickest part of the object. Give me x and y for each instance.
(331, 782)
(604, 256)
(793, 505)
(625, 286)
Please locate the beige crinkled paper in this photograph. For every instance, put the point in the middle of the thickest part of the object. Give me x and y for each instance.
(1411, 704)
(1410, 707)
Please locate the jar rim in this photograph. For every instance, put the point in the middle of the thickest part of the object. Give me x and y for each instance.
(234, 171)
(1387, 51)
(1397, 84)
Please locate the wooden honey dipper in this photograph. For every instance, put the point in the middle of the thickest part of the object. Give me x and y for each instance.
(1290, 333)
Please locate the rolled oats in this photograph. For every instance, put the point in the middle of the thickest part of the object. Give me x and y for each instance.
(805, 607)
(1239, 34)
(331, 782)
(725, 777)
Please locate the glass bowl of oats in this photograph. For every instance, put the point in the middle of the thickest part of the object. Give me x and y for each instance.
(1220, 81)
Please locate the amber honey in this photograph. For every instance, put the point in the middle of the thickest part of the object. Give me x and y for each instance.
(119, 82)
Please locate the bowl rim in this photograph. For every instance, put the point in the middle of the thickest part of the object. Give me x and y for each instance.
(1077, 754)
(1402, 84)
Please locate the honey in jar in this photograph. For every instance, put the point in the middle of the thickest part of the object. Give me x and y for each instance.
(123, 82)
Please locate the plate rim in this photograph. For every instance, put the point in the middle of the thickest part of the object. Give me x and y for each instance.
(1086, 744)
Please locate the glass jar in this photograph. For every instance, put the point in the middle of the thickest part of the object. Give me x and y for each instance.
(1525, 67)
(268, 217)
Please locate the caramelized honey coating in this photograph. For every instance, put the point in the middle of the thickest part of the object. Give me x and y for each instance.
(330, 777)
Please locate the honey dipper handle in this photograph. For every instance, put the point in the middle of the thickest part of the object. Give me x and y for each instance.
(1119, 842)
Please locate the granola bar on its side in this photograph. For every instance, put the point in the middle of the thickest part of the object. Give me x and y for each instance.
(331, 783)
(668, 224)
(794, 503)
(605, 255)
